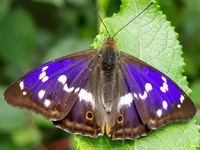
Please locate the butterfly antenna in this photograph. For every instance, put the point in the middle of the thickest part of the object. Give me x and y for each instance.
(94, 8)
(132, 19)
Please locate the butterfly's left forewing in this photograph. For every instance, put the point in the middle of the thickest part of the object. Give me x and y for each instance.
(157, 99)
(53, 88)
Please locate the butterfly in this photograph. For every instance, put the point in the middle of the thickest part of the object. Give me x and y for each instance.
(99, 91)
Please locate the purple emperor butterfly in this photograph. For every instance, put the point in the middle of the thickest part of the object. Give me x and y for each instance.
(102, 90)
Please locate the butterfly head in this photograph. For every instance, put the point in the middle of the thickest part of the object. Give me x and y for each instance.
(108, 53)
(109, 43)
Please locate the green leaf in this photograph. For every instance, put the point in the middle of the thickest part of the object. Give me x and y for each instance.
(150, 38)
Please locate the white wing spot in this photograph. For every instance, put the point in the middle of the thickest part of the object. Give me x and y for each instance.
(163, 89)
(159, 112)
(21, 85)
(144, 96)
(47, 102)
(24, 93)
(62, 79)
(68, 89)
(42, 75)
(86, 96)
(45, 68)
(45, 79)
(165, 105)
(165, 86)
(41, 94)
(164, 79)
(148, 87)
(182, 98)
(77, 89)
(125, 100)
(179, 106)
(135, 95)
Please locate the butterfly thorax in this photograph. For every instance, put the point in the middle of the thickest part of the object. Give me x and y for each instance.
(108, 55)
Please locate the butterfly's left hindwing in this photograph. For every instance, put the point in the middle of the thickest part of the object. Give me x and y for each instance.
(158, 100)
(53, 88)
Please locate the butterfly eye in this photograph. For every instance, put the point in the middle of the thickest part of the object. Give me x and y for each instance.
(89, 115)
(120, 118)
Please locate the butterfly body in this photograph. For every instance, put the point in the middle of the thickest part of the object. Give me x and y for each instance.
(108, 73)
(102, 90)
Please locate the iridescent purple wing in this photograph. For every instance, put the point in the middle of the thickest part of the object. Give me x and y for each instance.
(157, 99)
(128, 124)
(53, 88)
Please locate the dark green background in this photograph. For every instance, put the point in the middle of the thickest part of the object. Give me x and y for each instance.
(35, 31)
